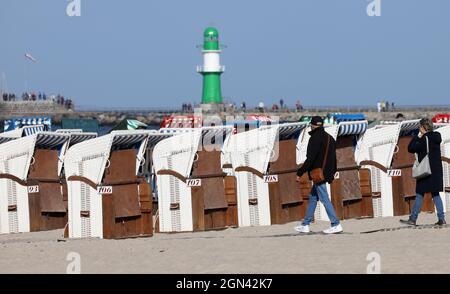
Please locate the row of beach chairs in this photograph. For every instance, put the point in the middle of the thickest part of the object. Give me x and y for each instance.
(135, 183)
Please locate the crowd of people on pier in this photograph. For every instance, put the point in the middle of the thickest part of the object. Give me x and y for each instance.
(186, 107)
(385, 106)
(261, 107)
(39, 96)
(382, 106)
(9, 97)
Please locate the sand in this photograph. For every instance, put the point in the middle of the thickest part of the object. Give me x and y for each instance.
(244, 250)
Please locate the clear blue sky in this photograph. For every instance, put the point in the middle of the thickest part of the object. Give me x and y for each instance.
(143, 52)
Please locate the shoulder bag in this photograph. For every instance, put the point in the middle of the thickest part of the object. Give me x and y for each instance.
(422, 169)
(316, 174)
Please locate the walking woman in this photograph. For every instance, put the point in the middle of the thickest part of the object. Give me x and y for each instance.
(433, 183)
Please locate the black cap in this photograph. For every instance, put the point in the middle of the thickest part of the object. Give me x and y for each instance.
(317, 121)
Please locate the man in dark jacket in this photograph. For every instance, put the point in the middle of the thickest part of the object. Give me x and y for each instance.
(433, 183)
(315, 157)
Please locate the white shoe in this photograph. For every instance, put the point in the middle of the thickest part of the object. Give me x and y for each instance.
(334, 230)
(302, 229)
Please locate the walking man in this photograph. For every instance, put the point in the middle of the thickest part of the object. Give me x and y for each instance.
(321, 166)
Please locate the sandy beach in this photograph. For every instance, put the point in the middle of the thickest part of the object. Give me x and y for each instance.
(274, 249)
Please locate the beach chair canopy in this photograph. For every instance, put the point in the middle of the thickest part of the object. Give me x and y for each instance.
(21, 132)
(17, 155)
(379, 143)
(76, 138)
(178, 152)
(155, 138)
(127, 140)
(50, 140)
(16, 123)
(90, 158)
(352, 128)
(290, 131)
(347, 128)
(252, 149)
(342, 117)
(409, 127)
(215, 135)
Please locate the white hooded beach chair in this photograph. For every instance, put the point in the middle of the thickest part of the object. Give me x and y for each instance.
(191, 183)
(445, 153)
(30, 188)
(384, 150)
(108, 198)
(264, 163)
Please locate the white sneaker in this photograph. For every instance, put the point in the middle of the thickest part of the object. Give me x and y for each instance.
(334, 230)
(302, 229)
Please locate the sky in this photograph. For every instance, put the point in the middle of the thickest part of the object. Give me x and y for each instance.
(143, 53)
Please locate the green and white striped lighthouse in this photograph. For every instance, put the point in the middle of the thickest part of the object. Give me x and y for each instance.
(211, 70)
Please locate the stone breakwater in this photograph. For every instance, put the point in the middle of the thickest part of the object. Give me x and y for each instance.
(19, 108)
(155, 118)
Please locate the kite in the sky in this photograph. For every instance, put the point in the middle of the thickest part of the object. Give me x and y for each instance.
(30, 57)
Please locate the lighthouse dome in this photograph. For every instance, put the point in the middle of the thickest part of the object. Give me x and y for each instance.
(211, 36)
(211, 33)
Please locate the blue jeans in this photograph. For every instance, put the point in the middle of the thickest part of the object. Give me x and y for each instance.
(418, 207)
(319, 192)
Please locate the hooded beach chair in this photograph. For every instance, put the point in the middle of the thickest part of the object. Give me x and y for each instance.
(384, 150)
(264, 161)
(108, 197)
(30, 188)
(192, 194)
(445, 153)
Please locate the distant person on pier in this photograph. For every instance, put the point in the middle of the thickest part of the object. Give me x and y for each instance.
(243, 106)
(321, 166)
(298, 106)
(261, 106)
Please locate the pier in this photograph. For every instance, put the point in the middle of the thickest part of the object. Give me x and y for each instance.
(154, 115)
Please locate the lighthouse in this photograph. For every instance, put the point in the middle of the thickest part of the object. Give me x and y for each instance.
(211, 70)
